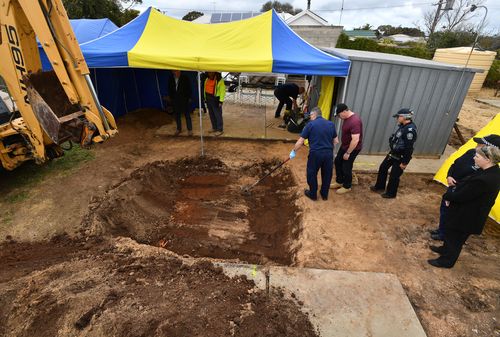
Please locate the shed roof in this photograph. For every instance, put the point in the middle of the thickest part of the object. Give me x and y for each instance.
(359, 32)
(361, 55)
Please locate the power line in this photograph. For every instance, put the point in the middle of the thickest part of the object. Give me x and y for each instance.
(315, 10)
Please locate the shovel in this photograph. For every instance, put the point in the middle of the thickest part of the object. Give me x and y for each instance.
(246, 189)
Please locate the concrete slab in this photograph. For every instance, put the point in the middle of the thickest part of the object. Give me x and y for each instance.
(494, 102)
(370, 163)
(342, 303)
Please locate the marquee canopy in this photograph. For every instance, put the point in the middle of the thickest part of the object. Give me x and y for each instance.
(260, 44)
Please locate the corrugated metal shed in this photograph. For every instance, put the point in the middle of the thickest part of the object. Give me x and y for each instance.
(379, 85)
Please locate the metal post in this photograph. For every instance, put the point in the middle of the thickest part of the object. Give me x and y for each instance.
(474, 7)
(96, 101)
(200, 113)
(159, 91)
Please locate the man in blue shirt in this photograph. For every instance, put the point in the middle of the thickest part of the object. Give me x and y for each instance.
(322, 137)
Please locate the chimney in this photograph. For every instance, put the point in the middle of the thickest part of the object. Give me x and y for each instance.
(308, 4)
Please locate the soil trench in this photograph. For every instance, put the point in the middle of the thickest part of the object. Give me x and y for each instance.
(196, 207)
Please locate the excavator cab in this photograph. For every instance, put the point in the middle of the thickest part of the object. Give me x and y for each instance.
(50, 108)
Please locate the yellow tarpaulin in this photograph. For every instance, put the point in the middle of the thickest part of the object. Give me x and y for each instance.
(325, 97)
(493, 127)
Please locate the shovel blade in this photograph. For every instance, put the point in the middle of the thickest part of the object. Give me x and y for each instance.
(44, 114)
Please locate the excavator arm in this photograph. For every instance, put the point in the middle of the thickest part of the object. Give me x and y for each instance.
(53, 107)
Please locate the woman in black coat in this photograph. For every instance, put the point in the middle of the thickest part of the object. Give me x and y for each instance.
(469, 205)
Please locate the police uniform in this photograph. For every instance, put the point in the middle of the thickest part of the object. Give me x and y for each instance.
(401, 144)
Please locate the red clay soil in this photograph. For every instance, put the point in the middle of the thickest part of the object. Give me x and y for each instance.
(119, 288)
(196, 207)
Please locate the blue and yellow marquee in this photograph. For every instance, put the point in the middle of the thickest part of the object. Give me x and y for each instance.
(260, 44)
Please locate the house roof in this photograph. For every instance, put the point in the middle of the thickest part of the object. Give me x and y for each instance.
(361, 33)
(310, 14)
(369, 56)
(229, 17)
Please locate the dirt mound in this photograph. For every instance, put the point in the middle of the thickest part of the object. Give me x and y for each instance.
(120, 288)
(195, 206)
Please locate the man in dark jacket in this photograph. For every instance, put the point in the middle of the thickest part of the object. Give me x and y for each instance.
(401, 144)
(287, 94)
(322, 137)
(179, 94)
(469, 204)
(462, 167)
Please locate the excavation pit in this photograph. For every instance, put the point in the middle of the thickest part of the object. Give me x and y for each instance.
(196, 207)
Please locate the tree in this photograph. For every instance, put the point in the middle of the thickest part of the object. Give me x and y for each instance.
(365, 27)
(279, 7)
(98, 9)
(388, 30)
(456, 19)
(191, 16)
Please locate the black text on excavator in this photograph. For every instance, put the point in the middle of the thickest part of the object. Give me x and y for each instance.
(50, 108)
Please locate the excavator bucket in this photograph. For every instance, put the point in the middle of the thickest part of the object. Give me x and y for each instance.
(47, 118)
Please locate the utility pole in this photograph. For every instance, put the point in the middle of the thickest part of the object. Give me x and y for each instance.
(448, 6)
(436, 19)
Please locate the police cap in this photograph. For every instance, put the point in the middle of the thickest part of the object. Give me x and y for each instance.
(491, 140)
(406, 113)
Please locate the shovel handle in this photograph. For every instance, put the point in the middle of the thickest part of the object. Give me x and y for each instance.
(269, 173)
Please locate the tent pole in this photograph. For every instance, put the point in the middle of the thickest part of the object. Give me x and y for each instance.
(199, 111)
(158, 88)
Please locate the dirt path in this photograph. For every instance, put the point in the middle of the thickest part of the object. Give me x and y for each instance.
(358, 231)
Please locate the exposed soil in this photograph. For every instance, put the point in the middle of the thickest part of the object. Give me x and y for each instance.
(115, 286)
(119, 288)
(473, 117)
(195, 206)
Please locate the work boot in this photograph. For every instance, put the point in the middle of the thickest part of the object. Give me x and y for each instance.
(218, 133)
(335, 186)
(355, 180)
(438, 264)
(343, 190)
(308, 194)
(190, 132)
(376, 190)
(437, 249)
(387, 196)
(177, 132)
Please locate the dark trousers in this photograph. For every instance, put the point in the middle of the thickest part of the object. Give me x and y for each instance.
(319, 160)
(396, 172)
(283, 100)
(343, 168)
(443, 210)
(215, 113)
(181, 107)
(453, 243)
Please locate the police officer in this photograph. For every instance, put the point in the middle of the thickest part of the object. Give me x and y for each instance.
(401, 144)
(322, 137)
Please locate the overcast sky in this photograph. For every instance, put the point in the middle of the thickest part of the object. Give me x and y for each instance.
(355, 14)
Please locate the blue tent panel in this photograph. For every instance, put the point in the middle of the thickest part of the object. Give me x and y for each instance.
(292, 55)
(111, 50)
(90, 29)
(85, 30)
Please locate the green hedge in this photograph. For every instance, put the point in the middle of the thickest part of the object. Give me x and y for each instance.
(493, 75)
(414, 49)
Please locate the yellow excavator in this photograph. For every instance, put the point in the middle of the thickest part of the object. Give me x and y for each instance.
(50, 108)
